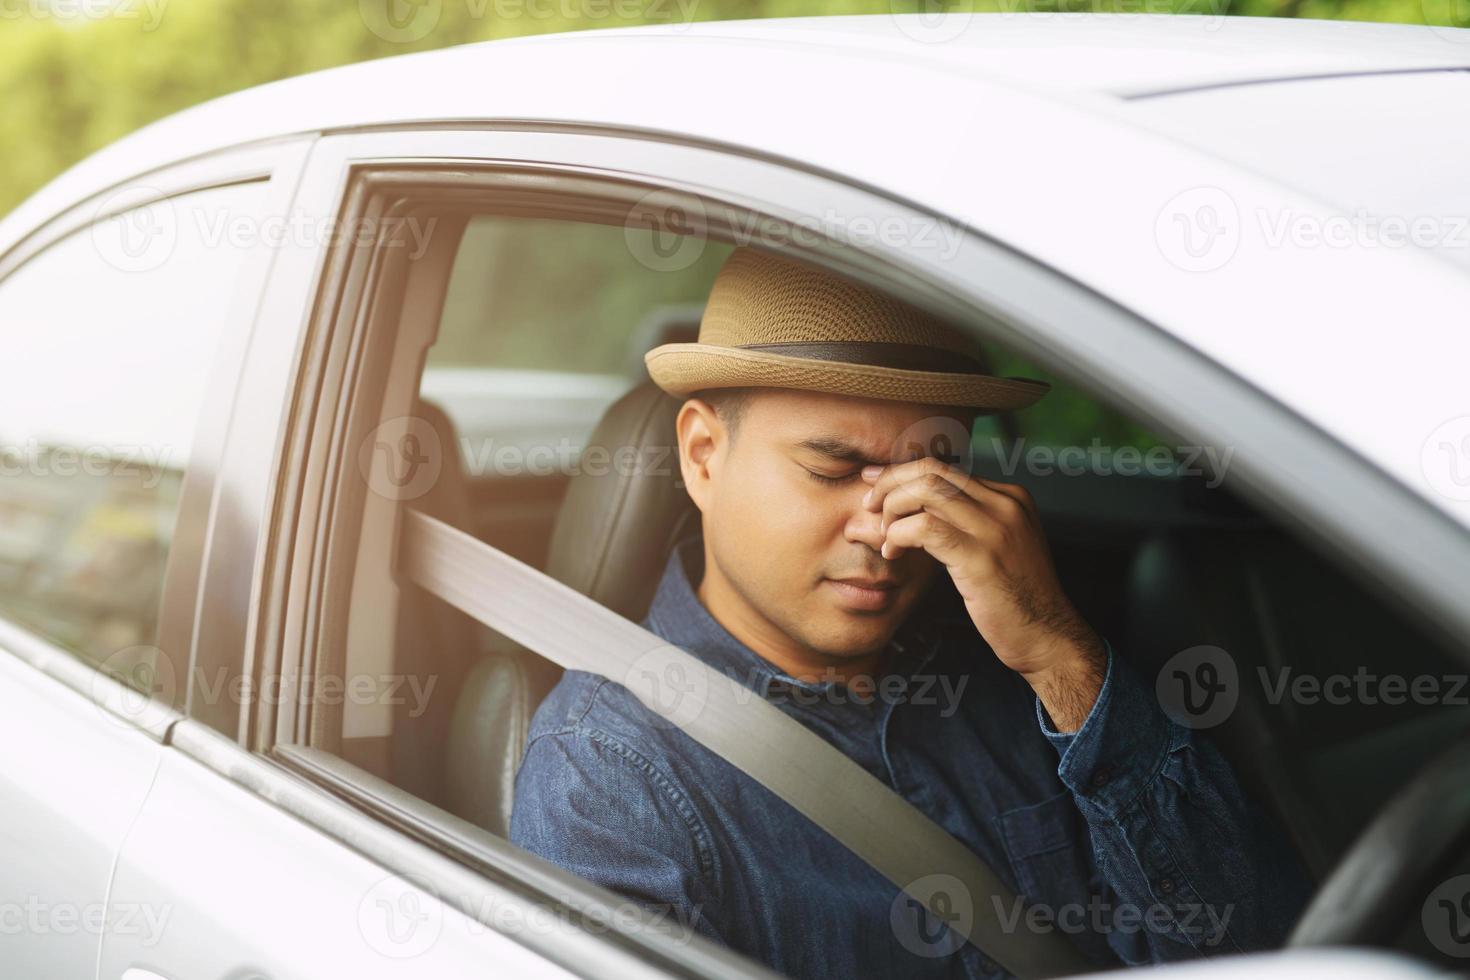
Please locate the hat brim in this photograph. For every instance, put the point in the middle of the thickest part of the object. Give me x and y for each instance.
(682, 369)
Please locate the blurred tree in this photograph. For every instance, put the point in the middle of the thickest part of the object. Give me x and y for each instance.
(73, 85)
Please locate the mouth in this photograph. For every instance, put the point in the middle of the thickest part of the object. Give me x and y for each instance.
(864, 594)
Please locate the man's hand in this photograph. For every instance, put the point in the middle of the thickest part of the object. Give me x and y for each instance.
(988, 535)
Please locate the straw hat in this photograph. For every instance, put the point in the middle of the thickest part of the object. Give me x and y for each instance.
(777, 323)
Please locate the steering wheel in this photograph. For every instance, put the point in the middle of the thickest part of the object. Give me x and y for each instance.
(1386, 874)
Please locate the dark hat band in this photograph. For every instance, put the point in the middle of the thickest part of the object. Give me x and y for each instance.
(906, 357)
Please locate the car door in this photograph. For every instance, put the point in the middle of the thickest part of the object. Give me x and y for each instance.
(251, 871)
(115, 315)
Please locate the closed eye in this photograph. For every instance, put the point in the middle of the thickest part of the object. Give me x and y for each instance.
(831, 481)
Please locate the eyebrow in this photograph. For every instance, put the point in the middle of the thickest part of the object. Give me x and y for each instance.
(840, 450)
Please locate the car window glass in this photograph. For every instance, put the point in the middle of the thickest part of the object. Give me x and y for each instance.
(546, 323)
(109, 336)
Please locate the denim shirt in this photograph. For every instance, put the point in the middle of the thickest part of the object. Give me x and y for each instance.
(1130, 836)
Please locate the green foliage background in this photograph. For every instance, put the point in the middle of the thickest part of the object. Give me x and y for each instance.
(72, 84)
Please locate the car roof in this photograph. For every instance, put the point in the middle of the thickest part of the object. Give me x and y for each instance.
(1079, 57)
(1061, 135)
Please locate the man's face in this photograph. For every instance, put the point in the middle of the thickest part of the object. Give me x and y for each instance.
(784, 522)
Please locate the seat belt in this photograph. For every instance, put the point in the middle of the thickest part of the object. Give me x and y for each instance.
(559, 623)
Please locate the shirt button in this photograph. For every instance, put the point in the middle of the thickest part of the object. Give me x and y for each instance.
(1101, 777)
(1166, 885)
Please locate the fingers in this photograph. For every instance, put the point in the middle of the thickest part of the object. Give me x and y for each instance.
(938, 496)
(924, 530)
(1006, 500)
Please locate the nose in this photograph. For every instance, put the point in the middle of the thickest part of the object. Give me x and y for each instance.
(862, 526)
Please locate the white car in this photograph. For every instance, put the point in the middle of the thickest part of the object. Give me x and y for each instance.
(250, 736)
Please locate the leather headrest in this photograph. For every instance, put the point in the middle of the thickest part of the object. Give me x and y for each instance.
(625, 507)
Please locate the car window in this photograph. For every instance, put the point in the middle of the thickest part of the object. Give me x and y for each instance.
(545, 323)
(109, 336)
(1068, 416)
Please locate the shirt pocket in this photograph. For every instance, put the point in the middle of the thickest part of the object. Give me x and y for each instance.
(1050, 853)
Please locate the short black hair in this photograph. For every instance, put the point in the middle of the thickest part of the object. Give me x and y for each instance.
(728, 403)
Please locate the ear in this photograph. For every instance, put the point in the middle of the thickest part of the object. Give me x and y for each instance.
(703, 444)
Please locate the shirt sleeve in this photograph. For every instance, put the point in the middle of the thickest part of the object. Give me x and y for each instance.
(597, 808)
(1196, 869)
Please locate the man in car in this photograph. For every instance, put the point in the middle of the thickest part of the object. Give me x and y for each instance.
(908, 613)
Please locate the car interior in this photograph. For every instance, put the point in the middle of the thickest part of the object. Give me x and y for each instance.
(1157, 562)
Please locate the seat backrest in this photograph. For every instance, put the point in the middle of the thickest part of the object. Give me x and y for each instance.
(623, 510)
(618, 522)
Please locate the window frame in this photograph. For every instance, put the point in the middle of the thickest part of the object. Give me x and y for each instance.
(1008, 297)
(277, 166)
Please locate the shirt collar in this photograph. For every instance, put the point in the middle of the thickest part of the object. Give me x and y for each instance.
(677, 615)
